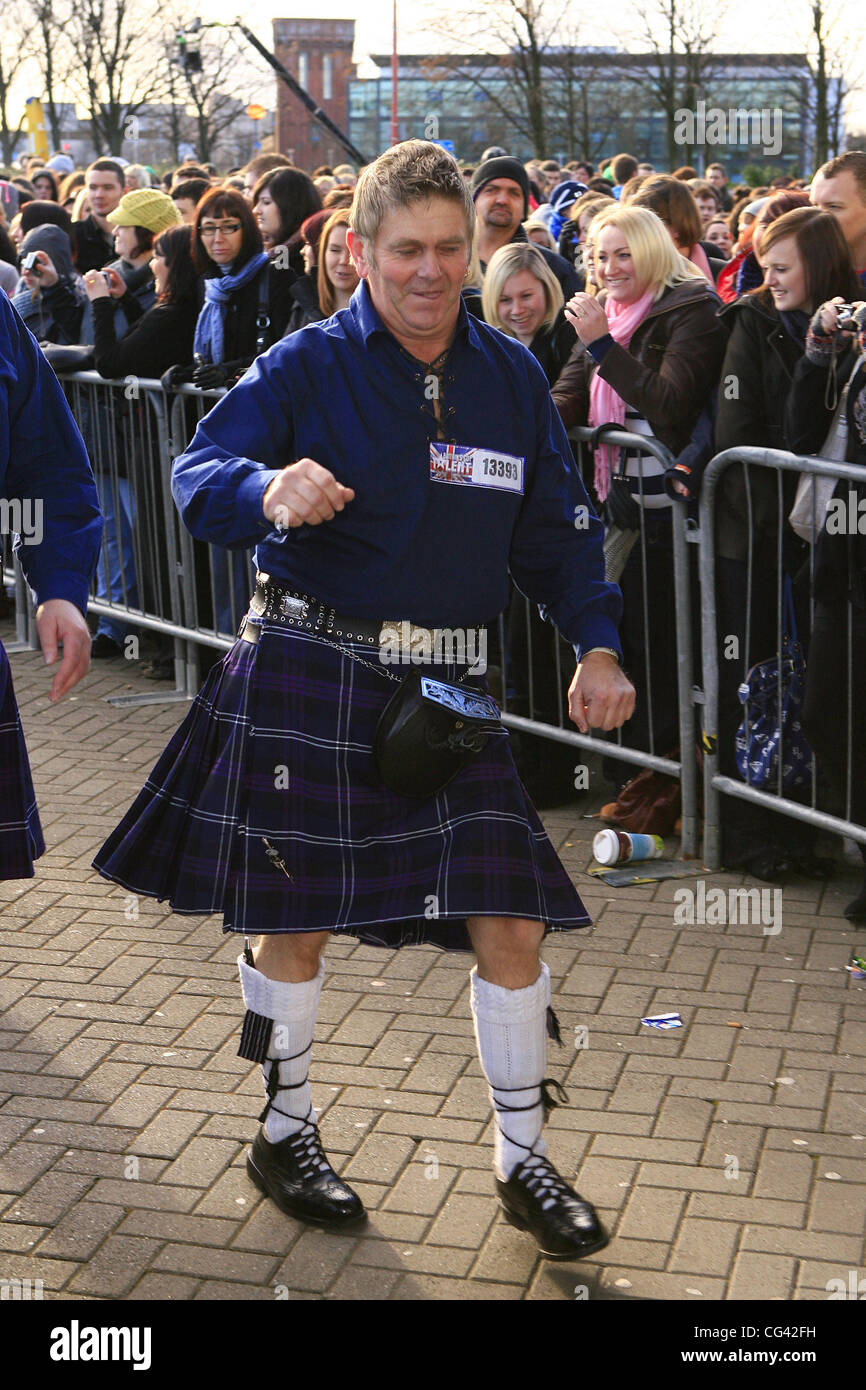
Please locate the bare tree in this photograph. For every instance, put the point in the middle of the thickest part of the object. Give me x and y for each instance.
(113, 69)
(45, 45)
(213, 94)
(12, 58)
(519, 36)
(679, 34)
(833, 51)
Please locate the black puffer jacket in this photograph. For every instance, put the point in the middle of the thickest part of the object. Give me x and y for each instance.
(756, 380)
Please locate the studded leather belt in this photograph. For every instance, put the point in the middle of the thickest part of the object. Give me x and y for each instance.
(276, 603)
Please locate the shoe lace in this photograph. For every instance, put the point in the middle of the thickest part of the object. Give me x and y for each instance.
(306, 1143)
(544, 1183)
(543, 1172)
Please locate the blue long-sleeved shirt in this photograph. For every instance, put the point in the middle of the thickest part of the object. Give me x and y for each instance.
(44, 464)
(343, 392)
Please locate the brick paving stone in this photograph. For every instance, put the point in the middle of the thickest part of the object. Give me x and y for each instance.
(463, 1221)
(380, 1157)
(775, 1240)
(314, 1260)
(136, 1106)
(651, 1215)
(24, 1162)
(117, 1265)
(422, 1187)
(166, 1135)
(762, 1276)
(158, 1286)
(200, 1162)
(784, 1175)
(430, 1287)
(212, 1290)
(209, 1262)
(682, 1117)
(363, 1284)
(178, 1226)
(18, 1237)
(144, 1194)
(268, 1231)
(81, 1231)
(838, 1207)
(704, 1247)
(420, 1259)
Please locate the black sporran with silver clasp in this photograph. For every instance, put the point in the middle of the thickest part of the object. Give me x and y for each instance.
(428, 731)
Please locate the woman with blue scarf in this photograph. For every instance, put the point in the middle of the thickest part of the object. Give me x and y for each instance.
(247, 298)
(247, 304)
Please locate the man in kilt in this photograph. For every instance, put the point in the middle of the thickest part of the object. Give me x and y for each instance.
(391, 465)
(47, 496)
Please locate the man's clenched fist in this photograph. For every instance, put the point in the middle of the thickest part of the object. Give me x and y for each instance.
(304, 492)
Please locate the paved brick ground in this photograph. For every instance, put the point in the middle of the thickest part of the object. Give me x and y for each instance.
(728, 1160)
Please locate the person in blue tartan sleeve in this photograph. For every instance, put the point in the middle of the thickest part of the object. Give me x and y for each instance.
(49, 501)
(391, 464)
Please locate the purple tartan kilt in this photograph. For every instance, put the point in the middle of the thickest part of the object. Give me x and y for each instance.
(20, 832)
(277, 746)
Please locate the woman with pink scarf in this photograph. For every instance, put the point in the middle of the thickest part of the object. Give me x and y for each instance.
(648, 356)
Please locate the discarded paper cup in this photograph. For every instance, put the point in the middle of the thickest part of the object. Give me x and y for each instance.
(618, 847)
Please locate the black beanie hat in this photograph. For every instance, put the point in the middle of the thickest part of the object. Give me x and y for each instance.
(503, 167)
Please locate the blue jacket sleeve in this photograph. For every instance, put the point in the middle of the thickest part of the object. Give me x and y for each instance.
(556, 550)
(217, 488)
(44, 467)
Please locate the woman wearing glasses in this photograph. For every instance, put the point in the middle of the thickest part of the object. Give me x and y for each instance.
(247, 298)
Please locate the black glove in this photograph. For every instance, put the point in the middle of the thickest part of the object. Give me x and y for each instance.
(175, 376)
(683, 475)
(209, 375)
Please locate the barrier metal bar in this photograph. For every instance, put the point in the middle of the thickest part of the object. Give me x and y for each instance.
(684, 768)
(715, 784)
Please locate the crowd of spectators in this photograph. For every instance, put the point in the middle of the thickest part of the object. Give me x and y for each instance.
(641, 293)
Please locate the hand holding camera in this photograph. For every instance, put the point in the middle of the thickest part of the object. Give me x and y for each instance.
(97, 283)
(38, 271)
(837, 316)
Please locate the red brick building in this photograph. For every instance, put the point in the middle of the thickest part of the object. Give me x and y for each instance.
(318, 54)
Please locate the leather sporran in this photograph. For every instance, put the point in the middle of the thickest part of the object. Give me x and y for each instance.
(428, 731)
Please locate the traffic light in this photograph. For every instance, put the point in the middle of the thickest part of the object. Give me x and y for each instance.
(188, 51)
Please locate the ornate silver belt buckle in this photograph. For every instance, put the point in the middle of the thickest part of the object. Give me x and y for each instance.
(294, 608)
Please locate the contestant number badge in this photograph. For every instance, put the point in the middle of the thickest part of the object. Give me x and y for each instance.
(475, 467)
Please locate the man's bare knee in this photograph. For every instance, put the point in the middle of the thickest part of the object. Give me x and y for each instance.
(290, 956)
(506, 949)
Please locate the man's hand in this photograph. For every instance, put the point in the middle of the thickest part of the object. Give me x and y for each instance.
(601, 696)
(59, 621)
(305, 492)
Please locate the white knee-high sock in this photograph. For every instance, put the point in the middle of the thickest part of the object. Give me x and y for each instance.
(293, 1009)
(511, 1030)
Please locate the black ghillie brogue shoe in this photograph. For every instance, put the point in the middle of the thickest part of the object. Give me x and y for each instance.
(296, 1175)
(537, 1199)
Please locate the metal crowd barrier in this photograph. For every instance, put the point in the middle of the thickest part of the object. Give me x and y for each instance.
(717, 784)
(674, 763)
(154, 575)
